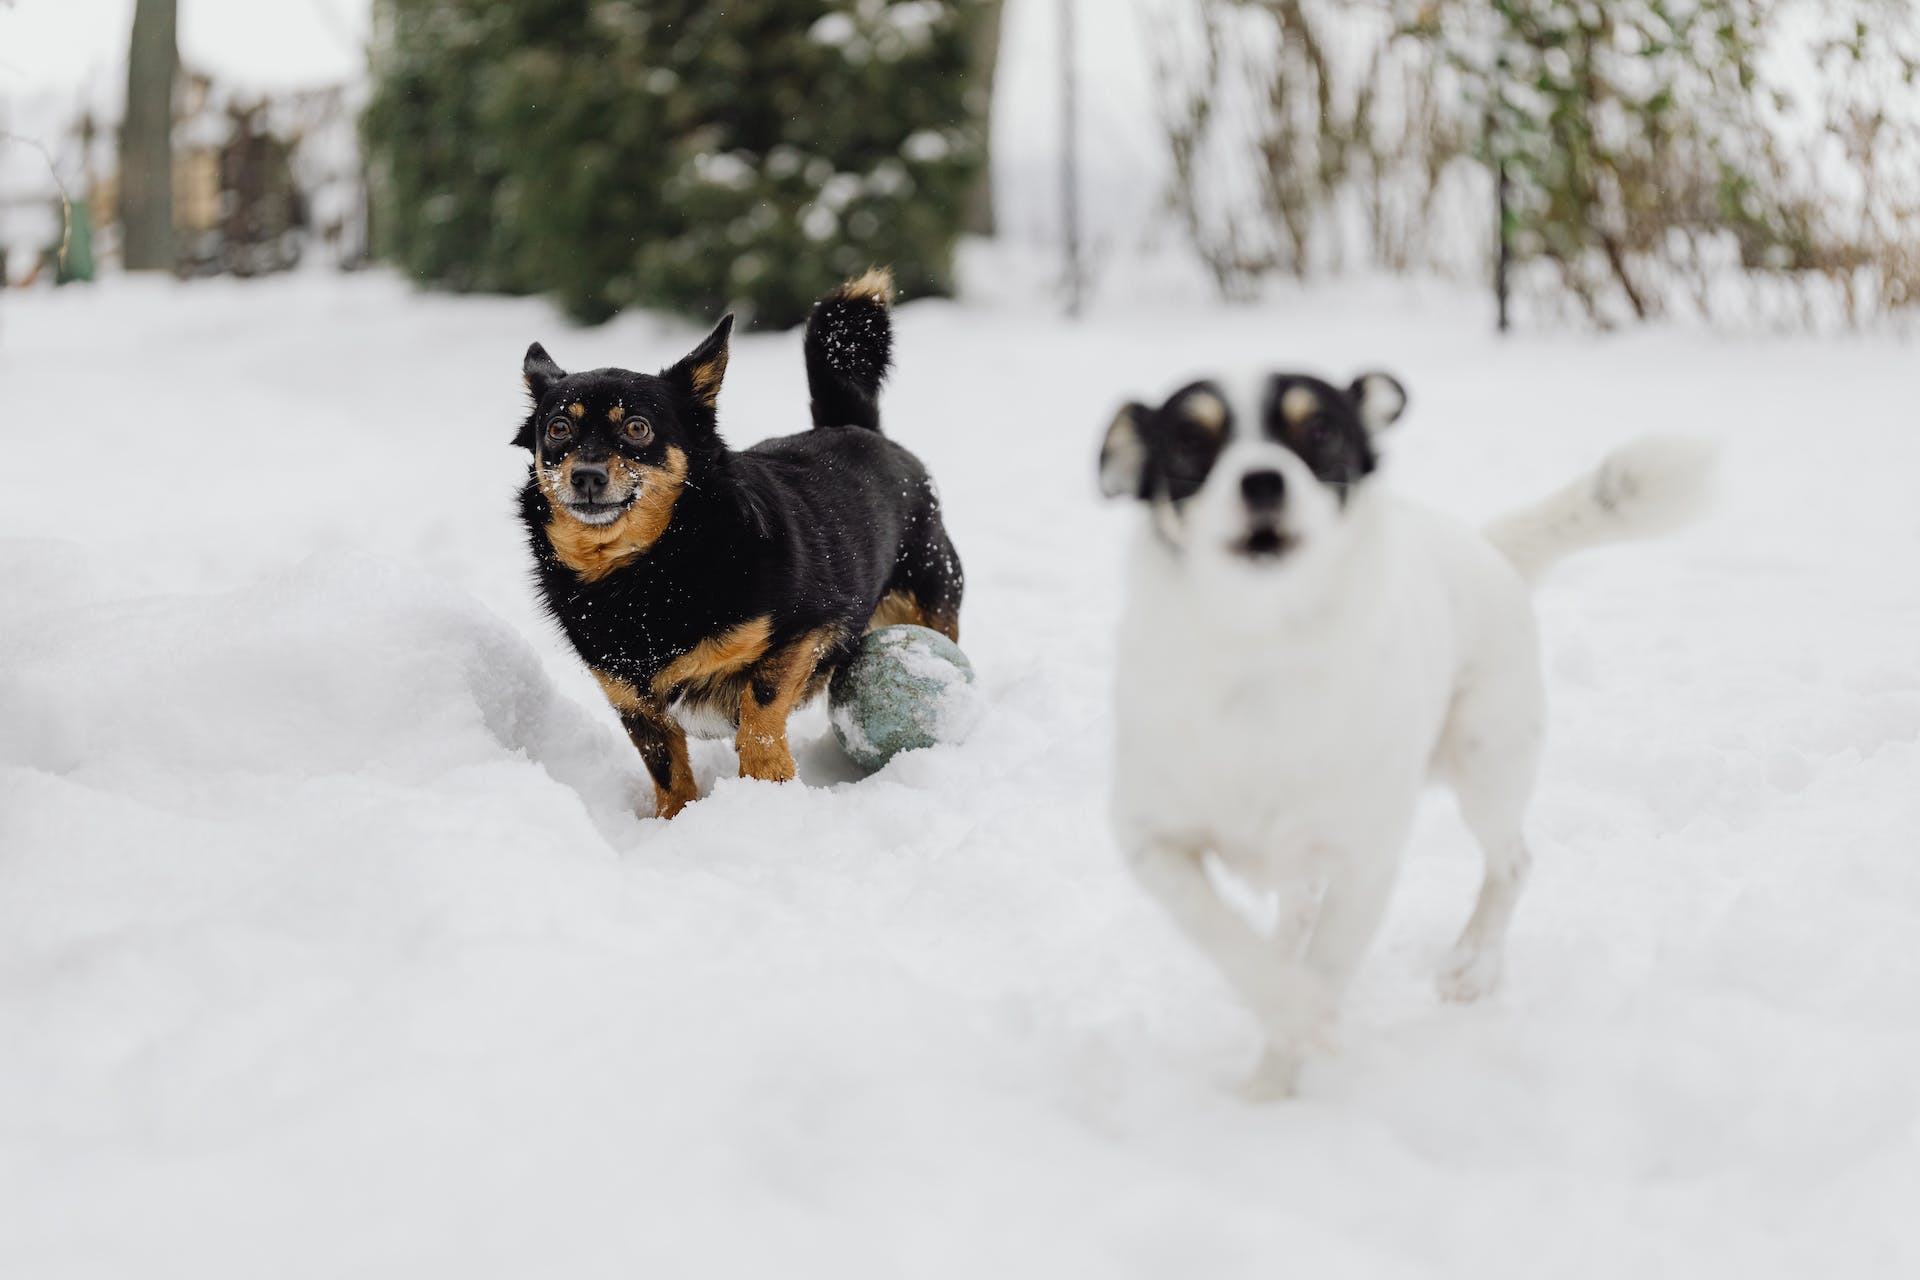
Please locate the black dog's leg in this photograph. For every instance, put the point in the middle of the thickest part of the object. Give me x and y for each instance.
(662, 744)
(931, 577)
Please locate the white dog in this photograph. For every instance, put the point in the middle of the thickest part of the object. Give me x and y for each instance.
(1301, 652)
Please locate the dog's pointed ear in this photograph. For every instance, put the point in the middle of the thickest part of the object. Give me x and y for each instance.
(699, 372)
(1123, 454)
(540, 373)
(1380, 399)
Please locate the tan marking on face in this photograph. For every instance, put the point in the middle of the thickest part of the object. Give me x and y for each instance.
(903, 608)
(1298, 404)
(1206, 411)
(624, 476)
(875, 283)
(595, 550)
(616, 414)
(576, 411)
(789, 674)
(716, 656)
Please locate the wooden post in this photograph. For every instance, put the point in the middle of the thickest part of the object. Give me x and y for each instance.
(146, 140)
(985, 62)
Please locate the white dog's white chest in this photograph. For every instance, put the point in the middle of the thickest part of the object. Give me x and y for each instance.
(1276, 758)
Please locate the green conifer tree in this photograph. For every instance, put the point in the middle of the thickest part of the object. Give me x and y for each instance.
(674, 153)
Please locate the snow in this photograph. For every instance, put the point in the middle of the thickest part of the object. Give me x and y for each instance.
(329, 943)
(46, 44)
(846, 726)
(925, 146)
(955, 709)
(836, 29)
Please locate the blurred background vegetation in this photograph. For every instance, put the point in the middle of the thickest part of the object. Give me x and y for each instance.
(674, 153)
(1623, 158)
(1601, 162)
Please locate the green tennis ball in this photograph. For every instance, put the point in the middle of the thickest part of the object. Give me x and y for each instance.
(907, 687)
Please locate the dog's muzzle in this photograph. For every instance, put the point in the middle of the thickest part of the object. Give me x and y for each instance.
(1264, 493)
(591, 500)
(595, 512)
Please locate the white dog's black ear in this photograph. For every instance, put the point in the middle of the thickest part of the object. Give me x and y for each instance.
(1380, 399)
(540, 371)
(1123, 454)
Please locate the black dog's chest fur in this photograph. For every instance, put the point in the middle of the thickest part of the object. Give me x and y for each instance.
(810, 530)
(696, 580)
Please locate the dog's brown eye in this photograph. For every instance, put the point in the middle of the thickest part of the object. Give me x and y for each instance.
(637, 431)
(559, 431)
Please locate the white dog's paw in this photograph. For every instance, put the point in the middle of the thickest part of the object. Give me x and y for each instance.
(1299, 1010)
(1275, 1078)
(1470, 973)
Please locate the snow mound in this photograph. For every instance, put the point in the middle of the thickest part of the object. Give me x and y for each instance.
(344, 665)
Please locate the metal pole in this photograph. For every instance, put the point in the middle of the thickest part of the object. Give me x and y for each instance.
(1504, 254)
(1502, 198)
(1070, 159)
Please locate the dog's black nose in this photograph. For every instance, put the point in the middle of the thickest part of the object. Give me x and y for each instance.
(589, 480)
(1263, 490)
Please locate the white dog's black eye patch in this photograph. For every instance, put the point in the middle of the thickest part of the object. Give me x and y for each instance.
(1330, 428)
(1166, 452)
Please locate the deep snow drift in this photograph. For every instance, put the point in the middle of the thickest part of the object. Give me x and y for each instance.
(329, 943)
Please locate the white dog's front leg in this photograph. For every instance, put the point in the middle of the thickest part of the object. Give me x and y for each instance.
(1294, 1006)
(1472, 969)
(1350, 915)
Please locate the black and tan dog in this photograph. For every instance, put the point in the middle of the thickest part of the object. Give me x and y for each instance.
(700, 582)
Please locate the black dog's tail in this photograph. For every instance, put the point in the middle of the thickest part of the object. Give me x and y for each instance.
(849, 348)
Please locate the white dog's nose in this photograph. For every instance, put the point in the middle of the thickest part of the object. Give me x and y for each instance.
(1264, 490)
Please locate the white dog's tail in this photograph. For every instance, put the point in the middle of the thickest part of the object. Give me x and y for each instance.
(1646, 487)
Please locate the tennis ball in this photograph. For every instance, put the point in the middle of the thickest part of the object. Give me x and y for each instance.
(907, 687)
